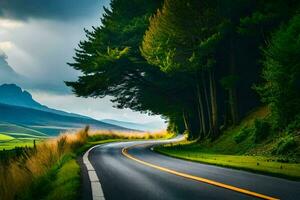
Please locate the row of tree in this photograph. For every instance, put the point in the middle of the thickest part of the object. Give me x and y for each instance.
(195, 61)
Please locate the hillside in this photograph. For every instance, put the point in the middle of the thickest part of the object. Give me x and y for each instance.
(47, 122)
(19, 131)
(12, 94)
(12, 135)
(152, 126)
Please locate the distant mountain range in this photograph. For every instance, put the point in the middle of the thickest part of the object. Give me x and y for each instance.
(151, 126)
(47, 122)
(12, 94)
(19, 109)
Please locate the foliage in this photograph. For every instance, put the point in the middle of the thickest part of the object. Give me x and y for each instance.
(285, 145)
(242, 134)
(229, 81)
(261, 130)
(225, 151)
(294, 127)
(60, 182)
(281, 73)
(194, 62)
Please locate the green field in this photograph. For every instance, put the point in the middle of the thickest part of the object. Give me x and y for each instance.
(5, 138)
(12, 135)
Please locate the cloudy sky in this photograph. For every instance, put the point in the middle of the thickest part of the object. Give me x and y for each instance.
(39, 38)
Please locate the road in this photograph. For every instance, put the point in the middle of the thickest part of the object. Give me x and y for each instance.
(139, 173)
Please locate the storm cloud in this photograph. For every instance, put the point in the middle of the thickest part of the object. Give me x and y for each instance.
(38, 38)
(50, 9)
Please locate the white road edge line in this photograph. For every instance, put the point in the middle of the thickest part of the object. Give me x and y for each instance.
(97, 192)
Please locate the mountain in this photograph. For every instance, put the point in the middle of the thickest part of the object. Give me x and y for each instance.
(47, 122)
(152, 126)
(12, 94)
(19, 109)
(7, 74)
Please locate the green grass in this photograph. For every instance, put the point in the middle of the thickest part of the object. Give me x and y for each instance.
(268, 165)
(61, 182)
(67, 182)
(5, 138)
(22, 142)
(12, 135)
(237, 148)
(13, 128)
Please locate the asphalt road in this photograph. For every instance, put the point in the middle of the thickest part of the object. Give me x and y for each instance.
(124, 178)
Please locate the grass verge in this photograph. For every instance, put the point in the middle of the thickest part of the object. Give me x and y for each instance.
(260, 164)
(239, 147)
(49, 170)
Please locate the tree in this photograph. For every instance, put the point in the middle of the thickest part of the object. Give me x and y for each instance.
(181, 39)
(281, 73)
(112, 65)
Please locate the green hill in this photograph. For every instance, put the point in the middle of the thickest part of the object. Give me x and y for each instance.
(17, 130)
(12, 135)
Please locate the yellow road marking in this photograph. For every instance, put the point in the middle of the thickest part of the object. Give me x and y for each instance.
(196, 178)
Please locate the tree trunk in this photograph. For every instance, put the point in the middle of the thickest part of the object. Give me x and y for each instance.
(185, 120)
(232, 91)
(202, 124)
(208, 106)
(214, 107)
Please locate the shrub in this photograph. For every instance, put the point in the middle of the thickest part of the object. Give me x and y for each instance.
(242, 134)
(285, 145)
(262, 129)
(294, 126)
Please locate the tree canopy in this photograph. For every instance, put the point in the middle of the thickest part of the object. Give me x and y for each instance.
(194, 62)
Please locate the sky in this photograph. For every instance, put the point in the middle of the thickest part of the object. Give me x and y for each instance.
(39, 38)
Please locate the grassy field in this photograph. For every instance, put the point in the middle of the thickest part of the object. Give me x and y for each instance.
(12, 136)
(50, 170)
(4, 138)
(231, 151)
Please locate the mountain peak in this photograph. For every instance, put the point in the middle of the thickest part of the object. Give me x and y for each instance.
(13, 95)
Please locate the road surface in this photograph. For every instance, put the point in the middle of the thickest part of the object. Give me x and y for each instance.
(130, 170)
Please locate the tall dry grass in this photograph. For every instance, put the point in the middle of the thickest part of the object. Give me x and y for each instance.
(100, 134)
(17, 176)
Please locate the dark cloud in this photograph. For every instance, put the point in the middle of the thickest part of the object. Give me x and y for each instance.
(49, 9)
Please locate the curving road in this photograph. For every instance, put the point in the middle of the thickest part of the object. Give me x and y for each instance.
(141, 174)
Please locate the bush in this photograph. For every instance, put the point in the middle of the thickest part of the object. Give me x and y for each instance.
(285, 145)
(242, 134)
(294, 126)
(262, 129)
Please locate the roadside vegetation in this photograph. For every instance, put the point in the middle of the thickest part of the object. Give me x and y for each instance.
(251, 145)
(49, 170)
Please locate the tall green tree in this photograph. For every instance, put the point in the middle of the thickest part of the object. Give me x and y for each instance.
(111, 64)
(281, 74)
(181, 39)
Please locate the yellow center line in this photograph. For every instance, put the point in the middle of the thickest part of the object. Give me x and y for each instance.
(196, 178)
